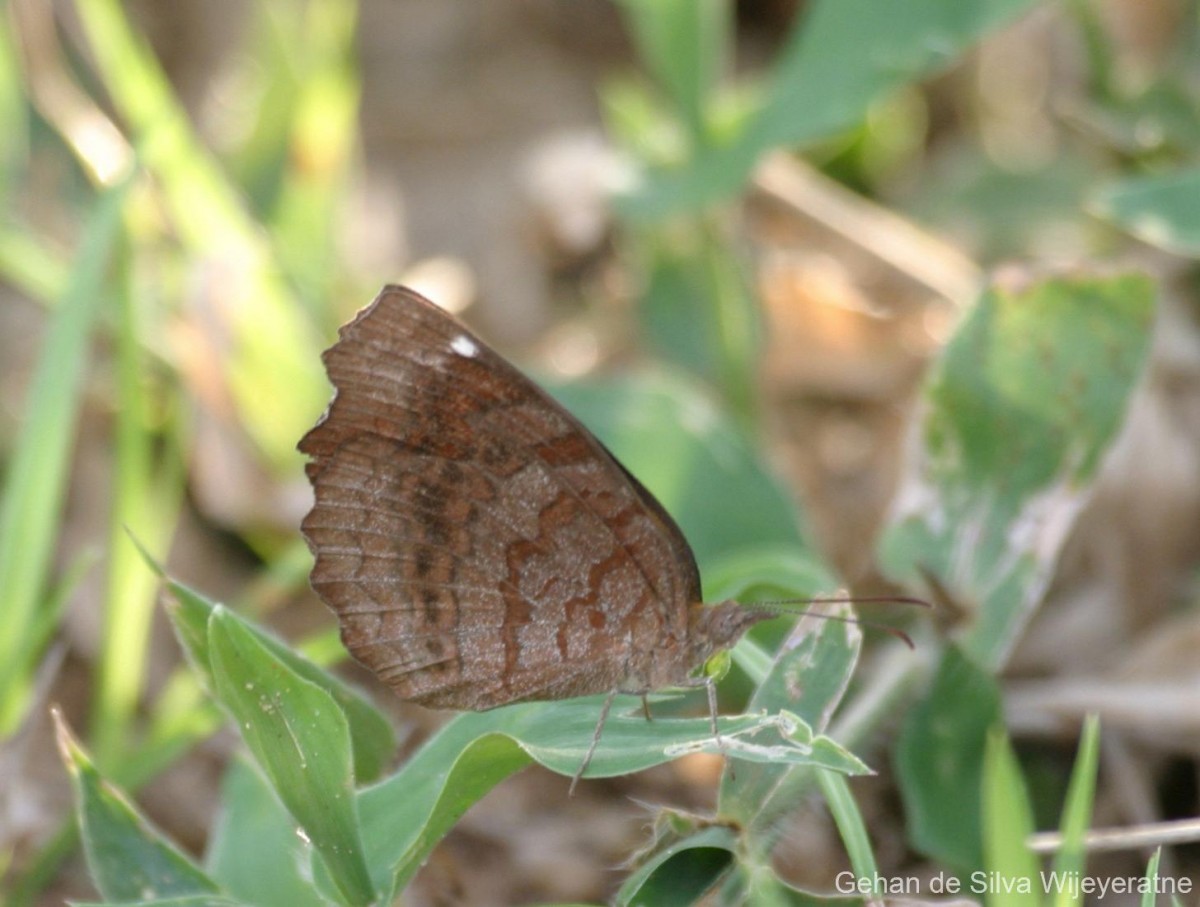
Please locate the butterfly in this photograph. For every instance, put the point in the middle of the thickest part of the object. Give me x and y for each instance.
(478, 544)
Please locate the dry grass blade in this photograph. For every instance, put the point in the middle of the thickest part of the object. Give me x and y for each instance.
(1135, 837)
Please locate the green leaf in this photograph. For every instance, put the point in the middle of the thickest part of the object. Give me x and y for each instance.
(189, 612)
(254, 851)
(128, 859)
(683, 870)
(850, 824)
(1007, 824)
(36, 478)
(849, 52)
(1163, 210)
(1022, 406)
(374, 739)
(698, 309)
(404, 816)
(301, 738)
(1071, 859)
(939, 761)
(684, 44)
(809, 676)
(842, 55)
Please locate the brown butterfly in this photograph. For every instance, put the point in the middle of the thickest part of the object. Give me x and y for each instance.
(478, 544)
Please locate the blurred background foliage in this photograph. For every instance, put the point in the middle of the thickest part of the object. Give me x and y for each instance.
(758, 231)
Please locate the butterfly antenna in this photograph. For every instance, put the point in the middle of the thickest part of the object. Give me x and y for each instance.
(850, 600)
(778, 606)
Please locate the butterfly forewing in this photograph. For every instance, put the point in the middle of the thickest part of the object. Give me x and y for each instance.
(479, 545)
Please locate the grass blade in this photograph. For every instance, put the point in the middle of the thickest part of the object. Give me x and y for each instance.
(850, 824)
(1077, 815)
(36, 481)
(145, 501)
(270, 371)
(1007, 824)
(1149, 896)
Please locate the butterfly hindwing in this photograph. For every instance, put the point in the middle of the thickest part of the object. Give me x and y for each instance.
(479, 545)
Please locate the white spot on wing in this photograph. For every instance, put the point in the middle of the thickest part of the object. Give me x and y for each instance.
(464, 346)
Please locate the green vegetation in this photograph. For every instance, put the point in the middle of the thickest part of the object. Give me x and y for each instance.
(1016, 415)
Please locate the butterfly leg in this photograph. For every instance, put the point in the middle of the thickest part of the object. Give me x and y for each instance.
(710, 687)
(646, 707)
(587, 758)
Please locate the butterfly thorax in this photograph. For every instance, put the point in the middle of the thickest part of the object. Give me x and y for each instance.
(674, 658)
(710, 629)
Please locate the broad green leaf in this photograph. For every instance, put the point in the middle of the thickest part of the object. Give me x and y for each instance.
(809, 676)
(701, 468)
(128, 859)
(404, 816)
(1019, 411)
(1163, 210)
(939, 762)
(1007, 823)
(1070, 862)
(846, 53)
(36, 476)
(374, 739)
(189, 612)
(254, 850)
(182, 715)
(301, 739)
(841, 55)
(682, 870)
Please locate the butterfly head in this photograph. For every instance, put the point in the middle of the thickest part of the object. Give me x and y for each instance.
(713, 628)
